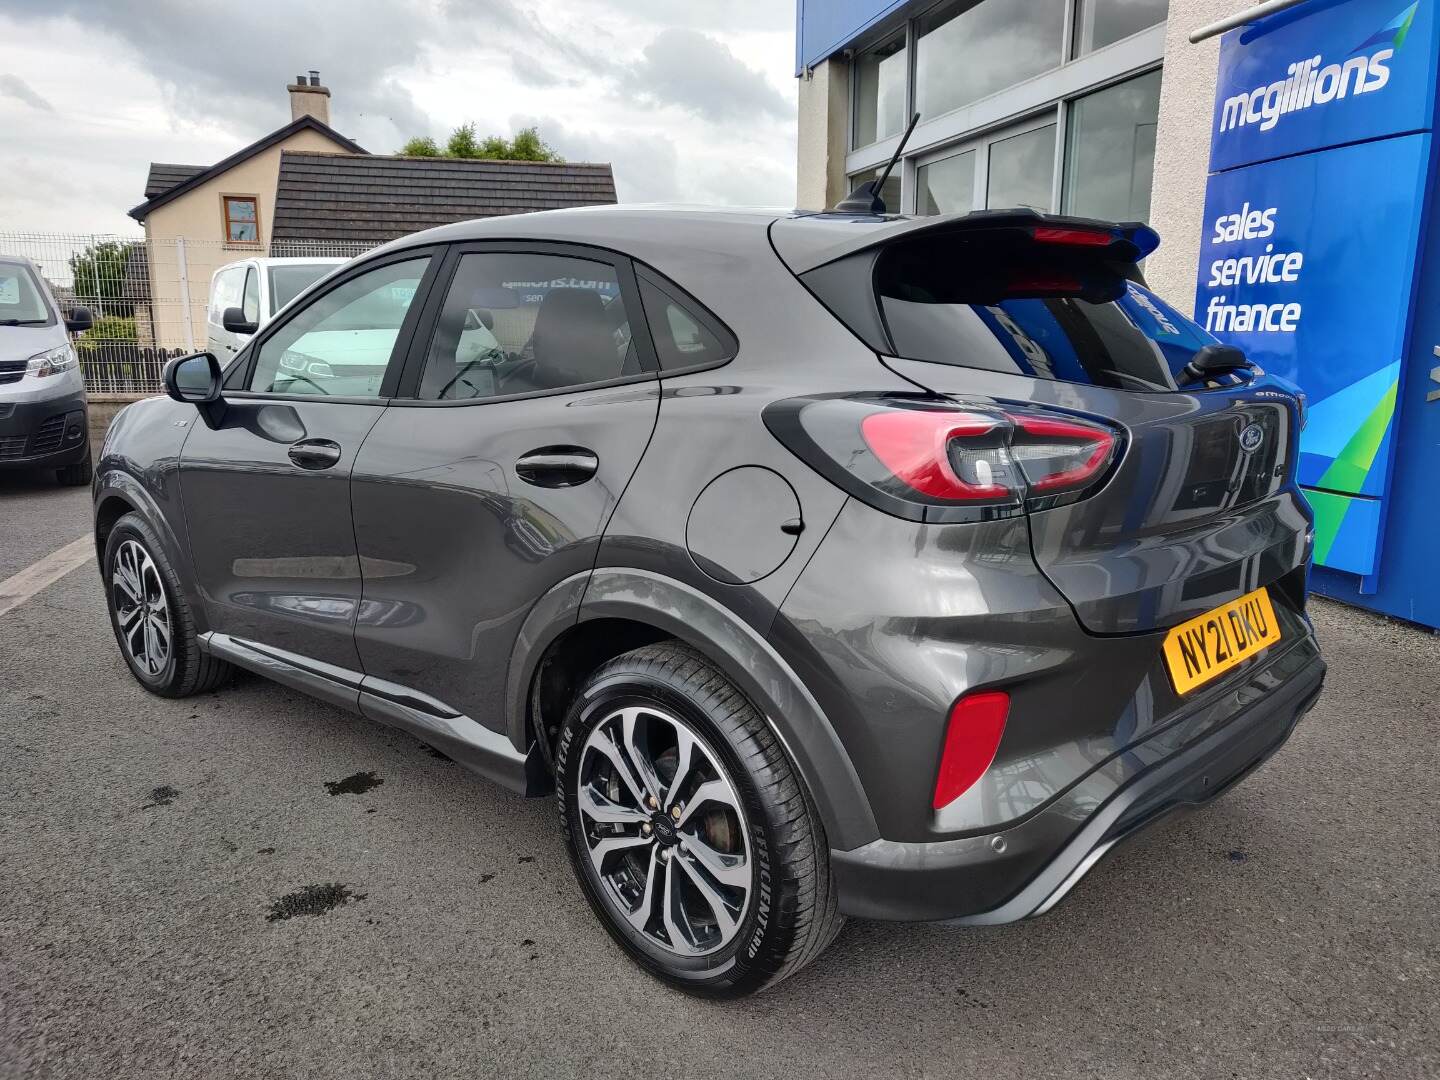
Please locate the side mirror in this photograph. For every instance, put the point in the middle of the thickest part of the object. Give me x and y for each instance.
(78, 320)
(234, 320)
(197, 379)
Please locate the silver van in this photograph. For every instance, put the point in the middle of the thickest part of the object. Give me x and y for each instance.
(43, 421)
(245, 295)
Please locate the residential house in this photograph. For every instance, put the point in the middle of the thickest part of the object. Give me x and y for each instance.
(306, 189)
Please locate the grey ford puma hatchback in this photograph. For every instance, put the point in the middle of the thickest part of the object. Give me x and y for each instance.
(821, 565)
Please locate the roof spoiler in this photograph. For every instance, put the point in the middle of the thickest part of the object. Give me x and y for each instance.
(1126, 241)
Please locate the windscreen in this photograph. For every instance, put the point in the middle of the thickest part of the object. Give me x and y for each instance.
(288, 282)
(1004, 302)
(21, 302)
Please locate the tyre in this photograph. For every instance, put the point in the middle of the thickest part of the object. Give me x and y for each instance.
(77, 473)
(690, 832)
(153, 623)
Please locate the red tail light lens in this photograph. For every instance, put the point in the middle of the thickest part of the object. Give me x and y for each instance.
(971, 738)
(943, 454)
(916, 458)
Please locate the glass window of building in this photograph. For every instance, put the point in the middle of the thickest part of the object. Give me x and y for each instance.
(890, 193)
(1022, 171)
(880, 78)
(1110, 157)
(1104, 22)
(969, 50)
(946, 186)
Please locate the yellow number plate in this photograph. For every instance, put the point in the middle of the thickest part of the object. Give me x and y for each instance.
(1203, 648)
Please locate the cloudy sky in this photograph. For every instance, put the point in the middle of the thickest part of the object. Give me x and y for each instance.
(691, 101)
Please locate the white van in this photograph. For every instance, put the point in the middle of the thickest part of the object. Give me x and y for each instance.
(43, 419)
(257, 289)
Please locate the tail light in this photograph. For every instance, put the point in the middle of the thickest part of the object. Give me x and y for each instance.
(971, 738)
(931, 461)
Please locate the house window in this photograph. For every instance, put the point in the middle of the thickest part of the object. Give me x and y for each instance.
(1110, 159)
(242, 219)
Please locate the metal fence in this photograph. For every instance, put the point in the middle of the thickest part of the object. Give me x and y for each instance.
(147, 297)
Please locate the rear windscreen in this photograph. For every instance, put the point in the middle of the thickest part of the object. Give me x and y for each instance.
(1002, 302)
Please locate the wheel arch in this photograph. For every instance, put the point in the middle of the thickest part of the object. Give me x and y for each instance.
(118, 494)
(582, 623)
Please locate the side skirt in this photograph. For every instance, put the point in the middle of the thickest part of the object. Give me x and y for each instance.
(479, 749)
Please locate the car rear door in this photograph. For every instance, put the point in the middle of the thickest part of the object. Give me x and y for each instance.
(527, 403)
(266, 485)
(1202, 506)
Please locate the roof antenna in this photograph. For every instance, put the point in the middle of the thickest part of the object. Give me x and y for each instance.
(866, 199)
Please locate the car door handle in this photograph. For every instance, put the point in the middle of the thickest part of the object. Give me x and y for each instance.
(315, 453)
(557, 466)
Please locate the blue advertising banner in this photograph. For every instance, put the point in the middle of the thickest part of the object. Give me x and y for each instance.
(1322, 74)
(1320, 156)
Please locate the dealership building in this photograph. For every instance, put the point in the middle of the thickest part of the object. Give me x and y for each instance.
(1290, 167)
(1099, 108)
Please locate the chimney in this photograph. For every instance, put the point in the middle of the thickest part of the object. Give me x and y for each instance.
(309, 98)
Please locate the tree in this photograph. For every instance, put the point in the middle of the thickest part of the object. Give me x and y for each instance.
(421, 146)
(102, 274)
(463, 143)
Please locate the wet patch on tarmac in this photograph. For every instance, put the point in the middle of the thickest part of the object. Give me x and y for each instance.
(1237, 855)
(355, 784)
(163, 795)
(312, 900)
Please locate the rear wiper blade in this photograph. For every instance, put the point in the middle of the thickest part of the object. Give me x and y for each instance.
(1213, 360)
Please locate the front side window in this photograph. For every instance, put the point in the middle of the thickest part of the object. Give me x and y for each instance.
(341, 343)
(21, 302)
(226, 292)
(1110, 151)
(1104, 22)
(242, 219)
(516, 323)
(250, 299)
(880, 78)
(969, 50)
(291, 279)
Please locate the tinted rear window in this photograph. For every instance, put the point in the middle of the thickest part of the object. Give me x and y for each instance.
(1001, 302)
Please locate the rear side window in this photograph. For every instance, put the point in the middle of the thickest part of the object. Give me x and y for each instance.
(1000, 302)
(685, 335)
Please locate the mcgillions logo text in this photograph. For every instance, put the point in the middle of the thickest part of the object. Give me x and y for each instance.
(1307, 83)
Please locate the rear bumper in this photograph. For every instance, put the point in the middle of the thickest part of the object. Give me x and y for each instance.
(1024, 870)
(46, 434)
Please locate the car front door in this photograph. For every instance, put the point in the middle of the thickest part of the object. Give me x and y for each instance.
(526, 406)
(267, 489)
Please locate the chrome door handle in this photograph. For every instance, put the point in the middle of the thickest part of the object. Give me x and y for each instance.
(557, 466)
(315, 453)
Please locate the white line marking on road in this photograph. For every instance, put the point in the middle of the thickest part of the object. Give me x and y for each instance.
(15, 590)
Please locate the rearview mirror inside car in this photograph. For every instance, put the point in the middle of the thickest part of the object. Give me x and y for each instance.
(234, 320)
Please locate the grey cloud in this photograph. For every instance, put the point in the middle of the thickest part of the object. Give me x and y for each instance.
(17, 88)
(693, 70)
(645, 162)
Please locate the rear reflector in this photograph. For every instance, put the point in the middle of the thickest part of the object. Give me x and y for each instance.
(973, 735)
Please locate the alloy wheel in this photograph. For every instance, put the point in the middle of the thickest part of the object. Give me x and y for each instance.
(665, 831)
(141, 610)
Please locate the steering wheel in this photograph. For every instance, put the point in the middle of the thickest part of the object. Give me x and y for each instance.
(296, 376)
(524, 367)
